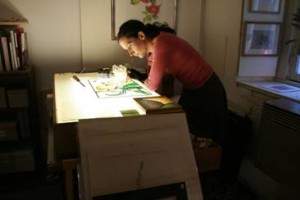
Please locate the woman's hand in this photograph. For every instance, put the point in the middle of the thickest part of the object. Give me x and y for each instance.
(135, 74)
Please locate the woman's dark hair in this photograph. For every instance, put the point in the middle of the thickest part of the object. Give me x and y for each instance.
(131, 28)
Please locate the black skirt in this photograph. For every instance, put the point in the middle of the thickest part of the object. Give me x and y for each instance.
(206, 110)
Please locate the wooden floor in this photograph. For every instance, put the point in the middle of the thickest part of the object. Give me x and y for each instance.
(214, 187)
(50, 186)
(32, 186)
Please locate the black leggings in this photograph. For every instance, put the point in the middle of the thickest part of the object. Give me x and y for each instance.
(206, 110)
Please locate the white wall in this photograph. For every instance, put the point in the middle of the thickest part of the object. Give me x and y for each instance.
(64, 35)
(221, 28)
(53, 36)
(99, 49)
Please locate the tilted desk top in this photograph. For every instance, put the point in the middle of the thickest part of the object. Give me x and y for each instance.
(115, 148)
(74, 101)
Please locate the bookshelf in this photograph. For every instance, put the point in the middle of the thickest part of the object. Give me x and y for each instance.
(19, 126)
(19, 122)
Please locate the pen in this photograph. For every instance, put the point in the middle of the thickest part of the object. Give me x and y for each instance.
(78, 80)
(93, 88)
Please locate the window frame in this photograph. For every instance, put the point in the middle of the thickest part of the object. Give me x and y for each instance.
(286, 69)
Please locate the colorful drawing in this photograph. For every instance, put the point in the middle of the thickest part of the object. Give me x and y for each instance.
(132, 87)
(148, 11)
(152, 9)
(108, 88)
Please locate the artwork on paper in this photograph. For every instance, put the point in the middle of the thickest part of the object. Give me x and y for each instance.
(260, 39)
(147, 11)
(106, 88)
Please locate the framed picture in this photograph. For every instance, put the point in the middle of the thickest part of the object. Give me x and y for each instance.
(265, 6)
(260, 39)
(147, 11)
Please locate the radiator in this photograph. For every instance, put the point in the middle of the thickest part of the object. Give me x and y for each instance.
(278, 153)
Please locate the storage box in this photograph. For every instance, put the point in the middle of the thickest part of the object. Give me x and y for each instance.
(3, 103)
(8, 130)
(207, 154)
(17, 161)
(17, 98)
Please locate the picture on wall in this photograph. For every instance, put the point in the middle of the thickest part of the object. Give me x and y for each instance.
(147, 11)
(265, 6)
(260, 39)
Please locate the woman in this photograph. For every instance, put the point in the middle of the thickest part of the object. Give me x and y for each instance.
(203, 96)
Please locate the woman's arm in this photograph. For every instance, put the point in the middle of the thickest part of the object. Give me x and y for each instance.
(160, 60)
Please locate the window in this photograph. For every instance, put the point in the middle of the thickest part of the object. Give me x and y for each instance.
(295, 59)
(289, 60)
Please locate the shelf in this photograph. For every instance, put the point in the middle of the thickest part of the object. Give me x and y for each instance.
(13, 109)
(11, 23)
(16, 145)
(10, 15)
(19, 71)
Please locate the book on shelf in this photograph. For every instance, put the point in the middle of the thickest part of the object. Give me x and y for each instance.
(6, 54)
(2, 66)
(22, 50)
(14, 47)
(158, 104)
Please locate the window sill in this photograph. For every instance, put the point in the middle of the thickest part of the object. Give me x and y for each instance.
(272, 88)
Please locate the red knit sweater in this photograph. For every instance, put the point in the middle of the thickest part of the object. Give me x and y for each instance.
(174, 56)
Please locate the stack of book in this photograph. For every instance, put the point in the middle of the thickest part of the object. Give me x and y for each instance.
(13, 48)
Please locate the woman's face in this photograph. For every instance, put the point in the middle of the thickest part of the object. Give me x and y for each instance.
(135, 46)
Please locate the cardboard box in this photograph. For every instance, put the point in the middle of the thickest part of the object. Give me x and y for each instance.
(8, 130)
(17, 98)
(17, 161)
(207, 154)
